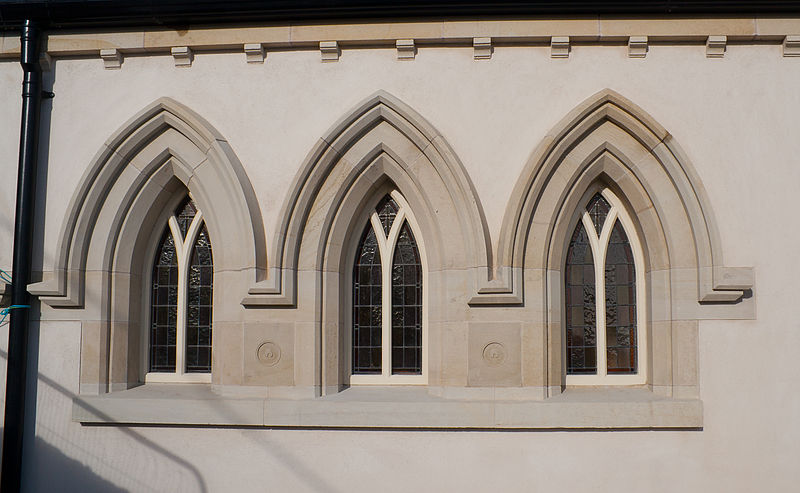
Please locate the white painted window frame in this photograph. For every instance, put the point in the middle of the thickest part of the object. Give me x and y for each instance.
(599, 246)
(183, 249)
(386, 246)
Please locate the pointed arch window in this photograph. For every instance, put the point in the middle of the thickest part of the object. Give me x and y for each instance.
(604, 289)
(388, 335)
(181, 300)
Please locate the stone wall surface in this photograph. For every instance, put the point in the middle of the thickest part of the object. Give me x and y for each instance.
(734, 117)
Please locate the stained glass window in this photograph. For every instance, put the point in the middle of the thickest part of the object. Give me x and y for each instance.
(620, 303)
(164, 303)
(598, 209)
(387, 295)
(181, 298)
(387, 211)
(185, 213)
(600, 300)
(198, 317)
(406, 305)
(580, 299)
(367, 305)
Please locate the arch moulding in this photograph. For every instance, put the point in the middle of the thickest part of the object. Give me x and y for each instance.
(609, 123)
(166, 133)
(340, 145)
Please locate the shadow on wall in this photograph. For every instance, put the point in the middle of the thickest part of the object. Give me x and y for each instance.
(64, 473)
(67, 474)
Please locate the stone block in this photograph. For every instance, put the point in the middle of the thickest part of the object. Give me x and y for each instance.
(495, 354)
(183, 56)
(254, 52)
(559, 47)
(482, 48)
(406, 50)
(637, 47)
(227, 354)
(715, 46)
(268, 354)
(329, 51)
(112, 58)
(791, 46)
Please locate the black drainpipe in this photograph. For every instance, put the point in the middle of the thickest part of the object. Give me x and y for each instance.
(11, 473)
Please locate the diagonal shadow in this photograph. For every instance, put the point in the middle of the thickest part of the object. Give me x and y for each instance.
(179, 461)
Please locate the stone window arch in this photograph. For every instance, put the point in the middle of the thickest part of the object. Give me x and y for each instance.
(115, 220)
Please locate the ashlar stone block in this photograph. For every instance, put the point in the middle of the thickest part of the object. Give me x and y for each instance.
(494, 354)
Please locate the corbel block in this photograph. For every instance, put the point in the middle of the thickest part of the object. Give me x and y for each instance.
(254, 53)
(482, 48)
(715, 46)
(329, 50)
(112, 58)
(406, 50)
(559, 47)
(637, 47)
(791, 46)
(182, 55)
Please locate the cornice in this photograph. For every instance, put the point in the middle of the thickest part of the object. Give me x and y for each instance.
(581, 30)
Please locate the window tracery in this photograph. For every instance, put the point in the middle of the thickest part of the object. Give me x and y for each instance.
(181, 299)
(603, 286)
(387, 335)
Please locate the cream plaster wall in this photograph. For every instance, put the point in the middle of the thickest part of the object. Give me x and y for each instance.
(492, 112)
(735, 117)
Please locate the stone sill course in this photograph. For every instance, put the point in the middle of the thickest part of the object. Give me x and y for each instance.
(388, 407)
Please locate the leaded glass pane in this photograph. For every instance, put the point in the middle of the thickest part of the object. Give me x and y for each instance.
(598, 209)
(164, 306)
(185, 213)
(387, 210)
(620, 304)
(198, 306)
(367, 305)
(406, 305)
(581, 350)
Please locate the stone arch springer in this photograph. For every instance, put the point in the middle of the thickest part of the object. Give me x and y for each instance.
(383, 130)
(164, 140)
(609, 126)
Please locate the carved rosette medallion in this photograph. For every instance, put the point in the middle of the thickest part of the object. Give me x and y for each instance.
(269, 353)
(494, 354)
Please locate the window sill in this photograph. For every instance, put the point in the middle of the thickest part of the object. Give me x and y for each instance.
(385, 407)
(157, 377)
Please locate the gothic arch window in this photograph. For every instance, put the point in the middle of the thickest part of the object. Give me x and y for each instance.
(604, 294)
(181, 289)
(388, 328)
